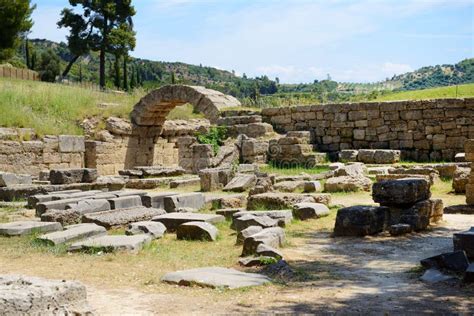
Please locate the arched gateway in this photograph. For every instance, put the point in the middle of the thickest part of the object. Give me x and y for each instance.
(146, 144)
(153, 108)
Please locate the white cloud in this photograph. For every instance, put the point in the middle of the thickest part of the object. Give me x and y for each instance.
(291, 72)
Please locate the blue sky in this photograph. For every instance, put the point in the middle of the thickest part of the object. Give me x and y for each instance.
(295, 40)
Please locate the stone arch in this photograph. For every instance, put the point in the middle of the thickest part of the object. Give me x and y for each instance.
(153, 108)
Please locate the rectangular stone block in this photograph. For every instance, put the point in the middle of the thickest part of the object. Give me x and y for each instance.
(71, 144)
(125, 202)
(156, 200)
(72, 233)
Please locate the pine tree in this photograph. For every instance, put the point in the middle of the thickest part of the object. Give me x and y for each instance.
(94, 26)
(133, 78)
(125, 73)
(15, 21)
(27, 53)
(117, 71)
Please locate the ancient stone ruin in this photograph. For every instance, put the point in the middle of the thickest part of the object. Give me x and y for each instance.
(147, 178)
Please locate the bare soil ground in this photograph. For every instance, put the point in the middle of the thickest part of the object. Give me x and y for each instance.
(373, 275)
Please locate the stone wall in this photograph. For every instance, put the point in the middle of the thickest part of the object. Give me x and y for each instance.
(125, 152)
(423, 130)
(123, 146)
(50, 152)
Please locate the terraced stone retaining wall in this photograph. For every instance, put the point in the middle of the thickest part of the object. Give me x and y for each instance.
(50, 152)
(422, 130)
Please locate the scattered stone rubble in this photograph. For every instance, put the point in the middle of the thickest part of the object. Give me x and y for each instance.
(455, 265)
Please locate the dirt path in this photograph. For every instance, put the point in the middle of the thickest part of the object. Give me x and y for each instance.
(372, 274)
(358, 275)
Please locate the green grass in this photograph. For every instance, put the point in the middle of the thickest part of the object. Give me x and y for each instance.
(184, 112)
(463, 91)
(54, 108)
(59, 109)
(271, 168)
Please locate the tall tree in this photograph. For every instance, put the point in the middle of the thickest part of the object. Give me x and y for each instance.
(49, 66)
(15, 20)
(133, 79)
(121, 41)
(92, 28)
(27, 53)
(125, 73)
(117, 71)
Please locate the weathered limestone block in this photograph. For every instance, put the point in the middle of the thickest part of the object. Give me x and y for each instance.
(241, 182)
(71, 144)
(194, 201)
(72, 233)
(461, 179)
(197, 231)
(22, 228)
(348, 155)
(464, 241)
(215, 277)
(273, 237)
(247, 232)
(118, 126)
(360, 220)
(275, 201)
(347, 184)
(213, 179)
(242, 222)
(125, 202)
(173, 220)
(283, 217)
(304, 211)
(121, 217)
(156, 200)
(67, 176)
(290, 186)
(24, 295)
(154, 229)
(401, 192)
(112, 243)
(8, 179)
(352, 170)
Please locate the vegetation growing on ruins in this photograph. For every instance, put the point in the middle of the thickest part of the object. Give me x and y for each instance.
(215, 137)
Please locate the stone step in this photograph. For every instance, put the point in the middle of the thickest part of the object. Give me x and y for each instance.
(22, 228)
(215, 277)
(254, 130)
(121, 217)
(112, 243)
(244, 119)
(173, 220)
(73, 233)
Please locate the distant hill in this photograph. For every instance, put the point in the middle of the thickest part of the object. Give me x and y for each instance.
(437, 76)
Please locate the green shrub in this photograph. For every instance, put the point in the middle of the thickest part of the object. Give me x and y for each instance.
(215, 137)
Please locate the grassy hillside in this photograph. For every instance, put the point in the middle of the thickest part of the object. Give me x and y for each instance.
(54, 108)
(463, 91)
